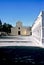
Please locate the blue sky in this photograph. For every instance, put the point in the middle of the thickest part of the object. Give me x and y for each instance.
(25, 11)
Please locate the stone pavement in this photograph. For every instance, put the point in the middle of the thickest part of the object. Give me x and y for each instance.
(17, 41)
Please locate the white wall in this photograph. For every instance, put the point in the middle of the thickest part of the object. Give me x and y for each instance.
(37, 30)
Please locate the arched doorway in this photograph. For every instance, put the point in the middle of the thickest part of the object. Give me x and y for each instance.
(19, 33)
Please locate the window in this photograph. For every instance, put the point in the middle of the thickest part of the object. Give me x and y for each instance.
(18, 27)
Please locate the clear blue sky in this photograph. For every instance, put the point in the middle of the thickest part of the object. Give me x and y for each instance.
(25, 11)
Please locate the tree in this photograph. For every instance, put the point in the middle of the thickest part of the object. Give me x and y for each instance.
(4, 27)
(7, 28)
(0, 25)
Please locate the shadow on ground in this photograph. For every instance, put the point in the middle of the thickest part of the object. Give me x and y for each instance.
(21, 55)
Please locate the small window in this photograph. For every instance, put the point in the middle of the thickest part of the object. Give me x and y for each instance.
(18, 27)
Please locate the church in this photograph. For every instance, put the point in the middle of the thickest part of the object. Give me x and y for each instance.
(19, 29)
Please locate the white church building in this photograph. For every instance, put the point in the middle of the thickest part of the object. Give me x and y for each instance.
(38, 30)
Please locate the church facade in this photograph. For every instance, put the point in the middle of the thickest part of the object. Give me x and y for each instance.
(19, 29)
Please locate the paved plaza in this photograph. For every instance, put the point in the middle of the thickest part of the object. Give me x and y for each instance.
(16, 41)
